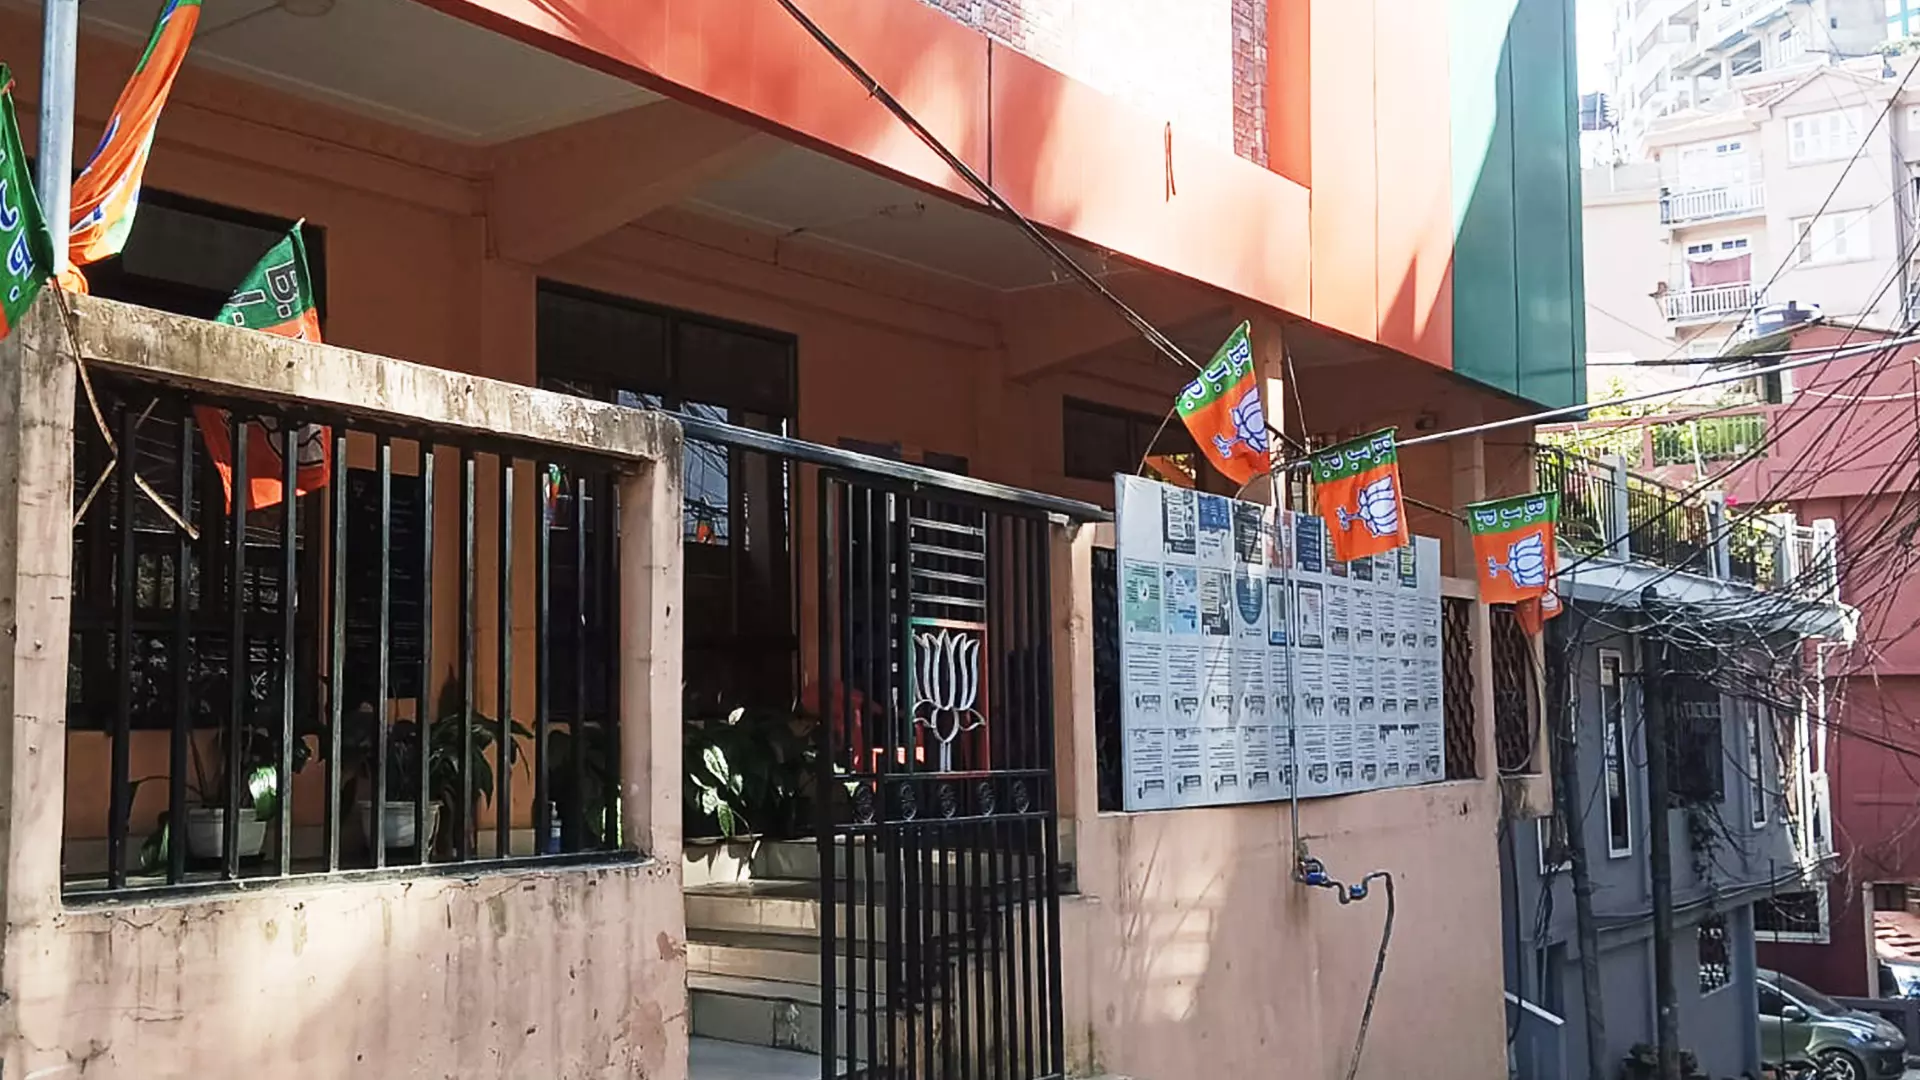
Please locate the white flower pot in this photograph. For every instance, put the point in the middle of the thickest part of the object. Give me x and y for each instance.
(207, 833)
(396, 825)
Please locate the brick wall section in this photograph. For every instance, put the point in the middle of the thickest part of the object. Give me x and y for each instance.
(1199, 63)
(1250, 79)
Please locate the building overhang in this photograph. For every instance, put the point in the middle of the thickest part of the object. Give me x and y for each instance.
(1708, 601)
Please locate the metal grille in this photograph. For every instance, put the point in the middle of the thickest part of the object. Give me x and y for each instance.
(1515, 702)
(1456, 644)
(282, 657)
(940, 927)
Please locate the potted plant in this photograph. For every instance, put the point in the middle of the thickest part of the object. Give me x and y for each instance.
(205, 828)
(749, 771)
(444, 750)
(583, 789)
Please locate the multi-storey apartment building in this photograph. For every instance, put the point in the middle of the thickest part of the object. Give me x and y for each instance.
(1672, 55)
(1794, 192)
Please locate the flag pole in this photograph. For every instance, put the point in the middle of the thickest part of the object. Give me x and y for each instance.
(59, 41)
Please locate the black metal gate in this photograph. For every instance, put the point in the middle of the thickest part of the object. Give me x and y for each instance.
(940, 917)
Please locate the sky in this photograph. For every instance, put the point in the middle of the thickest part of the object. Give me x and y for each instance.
(1593, 34)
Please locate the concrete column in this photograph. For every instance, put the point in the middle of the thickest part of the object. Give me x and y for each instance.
(1619, 511)
(36, 568)
(1270, 369)
(651, 653)
(1075, 750)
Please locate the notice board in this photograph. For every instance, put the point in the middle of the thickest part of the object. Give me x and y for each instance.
(1247, 657)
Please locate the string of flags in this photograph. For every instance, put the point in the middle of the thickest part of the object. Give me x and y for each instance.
(1358, 493)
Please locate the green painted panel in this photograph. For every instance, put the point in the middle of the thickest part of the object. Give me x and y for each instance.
(1545, 145)
(1485, 326)
(1517, 279)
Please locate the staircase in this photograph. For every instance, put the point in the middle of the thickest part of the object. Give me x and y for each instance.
(753, 950)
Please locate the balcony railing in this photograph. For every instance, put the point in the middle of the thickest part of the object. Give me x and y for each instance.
(1716, 302)
(1607, 511)
(1706, 204)
(1729, 15)
(1708, 438)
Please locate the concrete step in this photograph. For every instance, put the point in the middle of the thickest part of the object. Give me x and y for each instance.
(713, 1059)
(764, 1012)
(774, 957)
(756, 907)
(799, 860)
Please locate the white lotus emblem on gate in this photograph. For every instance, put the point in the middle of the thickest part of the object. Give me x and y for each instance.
(946, 680)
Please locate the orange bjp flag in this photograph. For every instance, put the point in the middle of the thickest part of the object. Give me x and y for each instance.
(1222, 410)
(1357, 488)
(107, 191)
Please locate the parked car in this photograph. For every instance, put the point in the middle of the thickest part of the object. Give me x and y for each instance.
(1798, 1022)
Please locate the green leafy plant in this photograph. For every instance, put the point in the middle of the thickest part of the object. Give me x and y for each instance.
(587, 785)
(749, 771)
(259, 736)
(445, 747)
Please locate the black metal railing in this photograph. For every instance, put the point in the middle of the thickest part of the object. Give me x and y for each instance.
(1668, 528)
(1516, 697)
(940, 905)
(259, 691)
(1456, 656)
(1754, 544)
(1588, 496)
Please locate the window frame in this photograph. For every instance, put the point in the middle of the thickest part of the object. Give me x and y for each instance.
(1135, 421)
(1757, 815)
(1544, 830)
(1806, 146)
(1614, 756)
(1842, 225)
(1701, 933)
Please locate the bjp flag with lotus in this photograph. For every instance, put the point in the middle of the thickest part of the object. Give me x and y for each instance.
(1513, 546)
(1222, 410)
(1357, 487)
(276, 298)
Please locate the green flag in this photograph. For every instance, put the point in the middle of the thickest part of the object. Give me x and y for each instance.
(23, 232)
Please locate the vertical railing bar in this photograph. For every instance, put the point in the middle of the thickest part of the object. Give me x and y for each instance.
(377, 817)
(1000, 836)
(607, 599)
(843, 861)
(1032, 861)
(874, 724)
(857, 1009)
(503, 749)
(289, 630)
(542, 654)
(468, 633)
(238, 498)
(1041, 585)
(126, 571)
(180, 749)
(930, 987)
(904, 941)
(423, 825)
(336, 644)
(829, 947)
(575, 825)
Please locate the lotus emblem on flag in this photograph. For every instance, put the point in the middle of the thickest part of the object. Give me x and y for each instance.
(1379, 509)
(1249, 426)
(946, 687)
(1526, 562)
